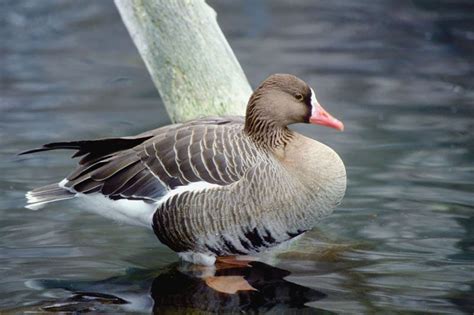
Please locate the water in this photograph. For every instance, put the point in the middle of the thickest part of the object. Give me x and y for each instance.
(398, 73)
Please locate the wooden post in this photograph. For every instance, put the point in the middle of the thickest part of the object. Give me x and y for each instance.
(188, 57)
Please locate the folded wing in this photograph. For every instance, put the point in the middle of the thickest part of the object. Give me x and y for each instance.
(147, 166)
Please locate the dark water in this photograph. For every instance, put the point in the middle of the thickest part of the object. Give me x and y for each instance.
(400, 74)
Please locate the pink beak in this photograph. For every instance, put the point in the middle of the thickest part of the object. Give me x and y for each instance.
(319, 116)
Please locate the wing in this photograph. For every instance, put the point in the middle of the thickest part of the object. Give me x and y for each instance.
(216, 154)
(210, 150)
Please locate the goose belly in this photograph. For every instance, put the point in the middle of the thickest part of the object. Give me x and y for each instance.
(198, 244)
(249, 241)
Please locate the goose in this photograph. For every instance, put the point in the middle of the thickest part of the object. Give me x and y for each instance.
(217, 186)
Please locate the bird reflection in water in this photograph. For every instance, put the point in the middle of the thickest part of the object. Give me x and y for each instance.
(255, 287)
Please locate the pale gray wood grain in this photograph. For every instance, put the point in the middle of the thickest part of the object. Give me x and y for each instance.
(188, 57)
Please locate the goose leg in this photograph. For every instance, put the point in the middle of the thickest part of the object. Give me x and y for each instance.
(224, 262)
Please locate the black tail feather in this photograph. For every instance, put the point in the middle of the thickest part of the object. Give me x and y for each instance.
(92, 150)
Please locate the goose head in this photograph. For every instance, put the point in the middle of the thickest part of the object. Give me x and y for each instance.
(284, 99)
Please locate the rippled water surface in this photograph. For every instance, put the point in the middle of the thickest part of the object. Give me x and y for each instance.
(398, 73)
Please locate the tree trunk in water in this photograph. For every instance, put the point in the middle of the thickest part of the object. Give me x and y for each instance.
(188, 57)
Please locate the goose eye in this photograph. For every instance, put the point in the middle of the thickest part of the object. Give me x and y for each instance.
(299, 97)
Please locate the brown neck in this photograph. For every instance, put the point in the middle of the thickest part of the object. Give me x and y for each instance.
(262, 129)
